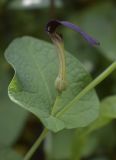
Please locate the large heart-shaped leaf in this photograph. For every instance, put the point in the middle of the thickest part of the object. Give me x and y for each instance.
(36, 67)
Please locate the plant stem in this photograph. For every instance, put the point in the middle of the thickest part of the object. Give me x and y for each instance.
(93, 84)
(36, 144)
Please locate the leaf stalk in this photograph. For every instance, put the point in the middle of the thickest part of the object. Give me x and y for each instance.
(36, 144)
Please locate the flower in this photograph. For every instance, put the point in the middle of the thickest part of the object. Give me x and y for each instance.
(53, 24)
(61, 83)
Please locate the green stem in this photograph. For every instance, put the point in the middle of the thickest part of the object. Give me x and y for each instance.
(93, 84)
(36, 145)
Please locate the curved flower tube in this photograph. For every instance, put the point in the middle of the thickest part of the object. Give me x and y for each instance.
(60, 82)
(53, 24)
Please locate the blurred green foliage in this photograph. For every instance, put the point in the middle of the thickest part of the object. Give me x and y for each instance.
(12, 118)
(9, 154)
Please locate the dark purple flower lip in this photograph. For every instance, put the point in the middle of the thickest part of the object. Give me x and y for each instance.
(53, 24)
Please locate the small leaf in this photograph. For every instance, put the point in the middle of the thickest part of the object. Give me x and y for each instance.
(109, 107)
(9, 154)
(107, 114)
(36, 67)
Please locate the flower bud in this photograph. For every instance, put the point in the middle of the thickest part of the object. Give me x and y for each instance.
(60, 84)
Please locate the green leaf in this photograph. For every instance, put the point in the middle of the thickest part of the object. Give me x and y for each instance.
(107, 114)
(109, 107)
(8, 154)
(36, 68)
